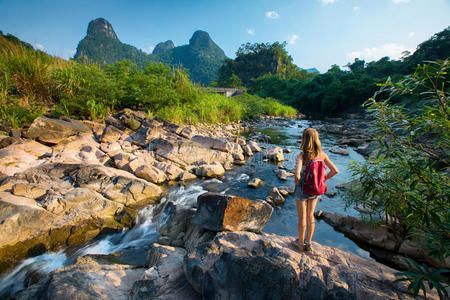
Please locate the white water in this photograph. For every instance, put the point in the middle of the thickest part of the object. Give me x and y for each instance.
(143, 233)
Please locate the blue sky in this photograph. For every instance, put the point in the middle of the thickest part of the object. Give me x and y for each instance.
(319, 32)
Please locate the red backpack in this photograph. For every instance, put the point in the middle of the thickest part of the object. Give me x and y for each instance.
(315, 182)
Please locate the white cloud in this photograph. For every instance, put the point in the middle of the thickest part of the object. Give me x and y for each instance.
(394, 51)
(251, 31)
(149, 49)
(39, 46)
(272, 14)
(411, 34)
(400, 1)
(292, 39)
(355, 8)
(328, 1)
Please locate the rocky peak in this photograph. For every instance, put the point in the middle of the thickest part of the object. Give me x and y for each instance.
(101, 26)
(201, 39)
(163, 47)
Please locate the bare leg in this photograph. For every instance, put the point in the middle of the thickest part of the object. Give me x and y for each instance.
(301, 211)
(311, 224)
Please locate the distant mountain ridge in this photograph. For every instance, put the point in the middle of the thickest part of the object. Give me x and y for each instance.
(201, 57)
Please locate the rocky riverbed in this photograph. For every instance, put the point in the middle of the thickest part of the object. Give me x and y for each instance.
(65, 183)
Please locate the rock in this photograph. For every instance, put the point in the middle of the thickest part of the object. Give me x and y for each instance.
(286, 150)
(214, 170)
(186, 176)
(28, 190)
(111, 149)
(5, 141)
(254, 146)
(172, 221)
(254, 183)
(348, 185)
(131, 123)
(289, 189)
(165, 278)
(339, 150)
(380, 239)
(331, 194)
(21, 156)
(259, 137)
(283, 175)
(114, 122)
(15, 133)
(123, 159)
(184, 153)
(54, 131)
(219, 144)
(219, 212)
(247, 150)
(244, 265)
(111, 134)
(274, 154)
(151, 174)
(367, 149)
(275, 198)
(172, 171)
(88, 278)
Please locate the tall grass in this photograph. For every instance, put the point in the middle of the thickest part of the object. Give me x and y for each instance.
(32, 82)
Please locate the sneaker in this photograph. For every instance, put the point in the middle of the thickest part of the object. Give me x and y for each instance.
(307, 247)
(296, 244)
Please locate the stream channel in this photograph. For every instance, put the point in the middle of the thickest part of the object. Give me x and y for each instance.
(135, 242)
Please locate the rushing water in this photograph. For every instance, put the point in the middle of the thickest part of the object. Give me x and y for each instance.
(135, 242)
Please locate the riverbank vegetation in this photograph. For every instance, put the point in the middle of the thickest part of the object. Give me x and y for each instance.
(33, 83)
(406, 185)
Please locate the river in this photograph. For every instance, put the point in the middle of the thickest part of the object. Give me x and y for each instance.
(135, 242)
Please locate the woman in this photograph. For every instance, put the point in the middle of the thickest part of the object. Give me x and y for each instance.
(310, 149)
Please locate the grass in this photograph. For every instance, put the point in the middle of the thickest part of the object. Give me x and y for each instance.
(32, 82)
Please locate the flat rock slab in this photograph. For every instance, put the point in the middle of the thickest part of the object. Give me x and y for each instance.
(245, 265)
(54, 130)
(218, 212)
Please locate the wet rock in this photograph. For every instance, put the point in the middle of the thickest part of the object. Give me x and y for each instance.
(172, 221)
(165, 277)
(367, 149)
(54, 131)
(254, 183)
(211, 171)
(247, 150)
(287, 150)
(254, 146)
(219, 212)
(275, 198)
(331, 194)
(339, 150)
(259, 137)
(289, 189)
(274, 154)
(283, 174)
(88, 278)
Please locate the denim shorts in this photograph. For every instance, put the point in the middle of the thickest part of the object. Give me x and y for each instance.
(299, 195)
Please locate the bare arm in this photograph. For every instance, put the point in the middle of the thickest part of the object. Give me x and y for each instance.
(298, 168)
(331, 166)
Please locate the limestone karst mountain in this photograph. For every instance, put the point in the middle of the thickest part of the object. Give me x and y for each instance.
(201, 57)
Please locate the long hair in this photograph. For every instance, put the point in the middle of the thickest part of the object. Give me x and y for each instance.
(311, 146)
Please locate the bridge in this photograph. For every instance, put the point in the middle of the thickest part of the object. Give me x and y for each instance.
(228, 92)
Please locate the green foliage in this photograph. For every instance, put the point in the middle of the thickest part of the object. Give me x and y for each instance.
(259, 59)
(256, 106)
(419, 275)
(406, 184)
(32, 82)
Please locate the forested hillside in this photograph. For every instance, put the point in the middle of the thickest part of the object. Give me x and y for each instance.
(201, 58)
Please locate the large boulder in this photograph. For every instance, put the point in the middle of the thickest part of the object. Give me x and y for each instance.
(151, 174)
(213, 170)
(111, 134)
(54, 131)
(89, 278)
(275, 197)
(218, 212)
(184, 153)
(172, 221)
(244, 265)
(164, 279)
(274, 154)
